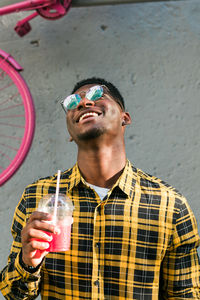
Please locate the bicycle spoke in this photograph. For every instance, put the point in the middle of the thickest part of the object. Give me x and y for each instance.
(12, 125)
(9, 147)
(3, 154)
(11, 137)
(12, 116)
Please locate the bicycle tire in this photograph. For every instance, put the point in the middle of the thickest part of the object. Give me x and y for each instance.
(23, 94)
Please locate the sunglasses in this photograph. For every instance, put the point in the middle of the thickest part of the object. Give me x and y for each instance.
(93, 94)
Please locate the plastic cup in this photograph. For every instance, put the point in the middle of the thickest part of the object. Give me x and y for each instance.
(63, 220)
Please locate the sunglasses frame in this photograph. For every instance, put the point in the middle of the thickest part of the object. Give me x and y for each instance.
(103, 86)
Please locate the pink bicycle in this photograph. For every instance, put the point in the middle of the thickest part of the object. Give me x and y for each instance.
(17, 115)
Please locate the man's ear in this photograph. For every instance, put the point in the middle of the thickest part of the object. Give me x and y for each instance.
(70, 139)
(126, 120)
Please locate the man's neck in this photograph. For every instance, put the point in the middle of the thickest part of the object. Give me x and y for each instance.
(102, 166)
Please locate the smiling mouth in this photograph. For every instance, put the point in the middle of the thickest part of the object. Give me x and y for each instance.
(87, 115)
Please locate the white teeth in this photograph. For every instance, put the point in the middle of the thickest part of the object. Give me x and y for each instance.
(88, 114)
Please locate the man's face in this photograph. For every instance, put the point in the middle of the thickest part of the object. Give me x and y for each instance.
(92, 119)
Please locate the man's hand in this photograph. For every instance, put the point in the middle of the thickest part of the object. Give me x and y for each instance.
(35, 241)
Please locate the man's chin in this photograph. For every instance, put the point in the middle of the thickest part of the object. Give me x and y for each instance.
(91, 134)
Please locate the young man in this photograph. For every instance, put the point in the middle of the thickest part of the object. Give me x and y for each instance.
(133, 236)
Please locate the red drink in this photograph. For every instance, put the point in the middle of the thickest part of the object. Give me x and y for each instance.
(61, 240)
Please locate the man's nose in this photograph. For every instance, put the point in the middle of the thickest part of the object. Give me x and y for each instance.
(85, 103)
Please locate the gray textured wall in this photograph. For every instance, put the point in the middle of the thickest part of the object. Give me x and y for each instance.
(151, 52)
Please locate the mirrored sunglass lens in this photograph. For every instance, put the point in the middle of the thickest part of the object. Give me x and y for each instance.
(94, 93)
(71, 101)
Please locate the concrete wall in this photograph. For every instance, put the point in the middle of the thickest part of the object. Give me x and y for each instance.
(151, 52)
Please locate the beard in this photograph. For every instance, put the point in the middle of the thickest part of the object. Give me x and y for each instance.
(91, 134)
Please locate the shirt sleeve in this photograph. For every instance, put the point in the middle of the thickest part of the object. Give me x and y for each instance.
(181, 267)
(15, 281)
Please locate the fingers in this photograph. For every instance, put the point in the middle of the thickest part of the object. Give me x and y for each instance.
(41, 221)
(39, 234)
(40, 225)
(40, 216)
(37, 245)
(36, 236)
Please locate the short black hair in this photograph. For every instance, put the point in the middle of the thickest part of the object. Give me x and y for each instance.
(114, 92)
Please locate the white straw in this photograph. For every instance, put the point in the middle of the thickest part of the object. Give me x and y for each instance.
(56, 197)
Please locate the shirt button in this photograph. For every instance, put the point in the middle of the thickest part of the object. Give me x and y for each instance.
(97, 245)
(96, 282)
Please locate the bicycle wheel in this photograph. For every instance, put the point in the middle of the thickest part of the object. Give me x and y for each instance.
(17, 120)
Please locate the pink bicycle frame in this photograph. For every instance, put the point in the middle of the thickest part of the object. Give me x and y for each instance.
(25, 5)
(11, 60)
(48, 9)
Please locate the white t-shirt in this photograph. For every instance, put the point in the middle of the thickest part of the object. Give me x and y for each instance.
(102, 192)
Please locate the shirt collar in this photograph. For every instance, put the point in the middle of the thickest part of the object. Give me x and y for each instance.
(126, 181)
(74, 177)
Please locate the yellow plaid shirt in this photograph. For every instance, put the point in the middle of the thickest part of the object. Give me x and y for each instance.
(139, 242)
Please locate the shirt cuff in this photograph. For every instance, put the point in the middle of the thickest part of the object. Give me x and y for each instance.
(24, 270)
